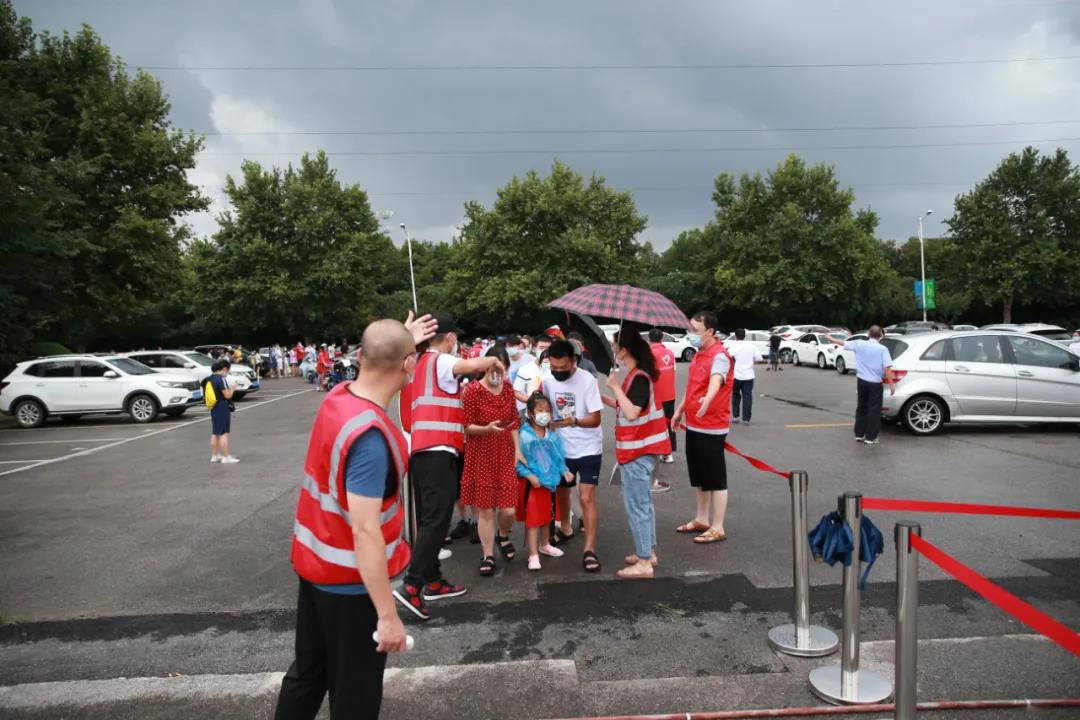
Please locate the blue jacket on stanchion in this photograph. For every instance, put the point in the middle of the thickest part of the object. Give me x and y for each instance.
(831, 541)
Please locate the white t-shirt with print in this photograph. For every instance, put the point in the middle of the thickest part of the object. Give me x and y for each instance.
(577, 397)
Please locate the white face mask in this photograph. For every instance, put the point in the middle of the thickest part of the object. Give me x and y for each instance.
(542, 419)
(494, 379)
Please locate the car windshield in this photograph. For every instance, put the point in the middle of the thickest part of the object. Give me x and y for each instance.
(129, 366)
(199, 359)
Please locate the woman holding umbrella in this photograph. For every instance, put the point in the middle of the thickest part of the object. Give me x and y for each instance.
(641, 436)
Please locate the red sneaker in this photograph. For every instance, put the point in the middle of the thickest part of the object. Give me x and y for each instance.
(441, 589)
(411, 597)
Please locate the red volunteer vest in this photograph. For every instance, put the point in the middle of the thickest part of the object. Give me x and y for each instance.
(648, 435)
(431, 416)
(323, 551)
(719, 415)
(665, 363)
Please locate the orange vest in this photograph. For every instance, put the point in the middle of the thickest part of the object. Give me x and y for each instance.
(323, 551)
(431, 416)
(648, 435)
(718, 416)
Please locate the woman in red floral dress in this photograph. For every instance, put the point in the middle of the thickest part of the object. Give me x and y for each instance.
(489, 482)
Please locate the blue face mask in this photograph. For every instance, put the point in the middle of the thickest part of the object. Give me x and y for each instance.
(694, 339)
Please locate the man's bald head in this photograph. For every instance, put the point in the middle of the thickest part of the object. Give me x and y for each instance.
(386, 345)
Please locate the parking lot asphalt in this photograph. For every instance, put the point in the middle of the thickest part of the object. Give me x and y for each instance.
(126, 553)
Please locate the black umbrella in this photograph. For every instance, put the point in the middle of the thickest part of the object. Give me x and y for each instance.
(596, 343)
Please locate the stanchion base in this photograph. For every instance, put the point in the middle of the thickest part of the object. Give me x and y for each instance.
(825, 682)
(823, 641)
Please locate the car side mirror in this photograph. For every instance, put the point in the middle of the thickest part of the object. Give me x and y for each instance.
(111, 374)
(1074, 365)
(189, 366)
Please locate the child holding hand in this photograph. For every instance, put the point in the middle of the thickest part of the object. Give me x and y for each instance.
(544, 467)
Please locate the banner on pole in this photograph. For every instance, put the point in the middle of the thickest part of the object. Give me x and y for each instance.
(931, 294)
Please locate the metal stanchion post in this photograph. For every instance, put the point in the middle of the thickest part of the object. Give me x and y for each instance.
(801, 638)
(845, 684)
(907, 605)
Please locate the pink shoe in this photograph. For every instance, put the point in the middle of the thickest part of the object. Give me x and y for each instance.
(551, 551)
(534, 562)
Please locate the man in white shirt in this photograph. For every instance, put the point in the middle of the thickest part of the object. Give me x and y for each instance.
(1075, 347)
(530, 373)
(745, 355)
(575, 402)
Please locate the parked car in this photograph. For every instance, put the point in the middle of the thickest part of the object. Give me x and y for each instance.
(242, 377)
(964, 327)
(909, 327)
(987, 376)
(180, 362)
(682, 349)
(759, 338)
(70, 386)
(812, 348)
(1050, 332)
(792, 332)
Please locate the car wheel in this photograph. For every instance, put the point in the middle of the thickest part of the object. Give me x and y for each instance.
(785, 356)
(794, 357)
(350, 373)
(841, 366)
(688, 354)
(142, 409)
(821, 363)
(238, 395)
(923, 415)
(175, 412)
(29, 414)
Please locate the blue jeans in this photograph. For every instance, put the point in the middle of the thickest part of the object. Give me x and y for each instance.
(637, 500)
(742, 389)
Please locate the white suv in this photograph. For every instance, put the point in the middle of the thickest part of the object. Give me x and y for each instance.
(196, 365)
(71, 386)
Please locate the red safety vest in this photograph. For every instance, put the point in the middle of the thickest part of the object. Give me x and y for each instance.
(323, 551)
(432, 416)
(665, 363)
(648, 435)
(718, 416)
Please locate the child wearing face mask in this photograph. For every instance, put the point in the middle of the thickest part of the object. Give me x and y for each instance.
(544, 466)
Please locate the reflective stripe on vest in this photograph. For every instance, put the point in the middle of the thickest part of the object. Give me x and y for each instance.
(329, 553)
(436, 416)
(648, 433)
(654, 414)
(328, 504)
(643, 443)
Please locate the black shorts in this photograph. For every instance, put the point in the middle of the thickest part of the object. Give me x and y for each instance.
(586, 469)
(220, 419)
(705, 460)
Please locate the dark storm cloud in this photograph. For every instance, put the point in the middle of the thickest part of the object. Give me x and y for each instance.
(671, 188)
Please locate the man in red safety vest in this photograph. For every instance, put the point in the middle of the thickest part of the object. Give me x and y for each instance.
(705, 414)
(665, 386)
(347, 536)
(431, 410)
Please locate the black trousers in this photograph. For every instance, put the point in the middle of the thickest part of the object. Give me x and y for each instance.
(436, 481)
(868, 411)
(669, 412)
(335, 654)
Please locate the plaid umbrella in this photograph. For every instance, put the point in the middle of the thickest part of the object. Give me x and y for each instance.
(623, 302)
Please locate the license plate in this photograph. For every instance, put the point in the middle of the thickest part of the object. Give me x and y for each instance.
(197, 395)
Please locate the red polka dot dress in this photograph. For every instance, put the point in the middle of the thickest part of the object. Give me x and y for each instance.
(489, 480)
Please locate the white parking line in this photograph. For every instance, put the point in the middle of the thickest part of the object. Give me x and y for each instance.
(16, 462)
(58, 442)
(91, 451)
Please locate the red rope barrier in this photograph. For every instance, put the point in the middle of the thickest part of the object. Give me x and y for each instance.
(759, 464)
(1029, 615)
(874, 503)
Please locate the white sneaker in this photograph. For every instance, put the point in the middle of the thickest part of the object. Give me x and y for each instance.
(445, 554)
(229, 460)
(667, 459)
(215, 458)
(534, 561)
(551, 551)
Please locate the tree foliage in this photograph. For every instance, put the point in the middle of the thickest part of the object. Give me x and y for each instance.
(542, 237)
(92, 187)
(1017, 232)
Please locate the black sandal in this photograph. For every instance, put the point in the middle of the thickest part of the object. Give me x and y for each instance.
(505, 546)
(590, 562)
(561, 538)
(487, 566)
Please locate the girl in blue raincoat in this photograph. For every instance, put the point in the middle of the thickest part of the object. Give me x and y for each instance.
(544, 467)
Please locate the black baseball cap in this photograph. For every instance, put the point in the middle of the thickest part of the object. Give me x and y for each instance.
(447, 324)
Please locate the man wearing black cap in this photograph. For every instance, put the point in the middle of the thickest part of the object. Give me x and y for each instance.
(431, 410)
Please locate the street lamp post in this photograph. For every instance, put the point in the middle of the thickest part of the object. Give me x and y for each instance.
(922, 261)
(412, 276)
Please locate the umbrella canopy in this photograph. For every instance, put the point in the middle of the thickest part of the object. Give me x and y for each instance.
(595, 342)
(623, 302)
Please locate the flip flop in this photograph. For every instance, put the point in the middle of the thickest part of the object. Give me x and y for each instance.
(710, 536)
(692, 527)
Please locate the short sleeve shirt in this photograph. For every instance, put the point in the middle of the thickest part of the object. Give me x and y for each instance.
(871, 359)
(579, 396)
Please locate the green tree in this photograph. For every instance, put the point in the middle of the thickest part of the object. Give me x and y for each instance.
(789, 246)
(542, 237)
(686, 271)
(297, 255)
(943, 263)
(1017, 232)
(92, 187)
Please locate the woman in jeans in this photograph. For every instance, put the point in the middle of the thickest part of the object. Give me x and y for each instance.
(641, 436)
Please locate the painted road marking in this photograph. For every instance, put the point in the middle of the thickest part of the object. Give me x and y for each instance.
(16, 462)
(91, 451)
(59, 442)
(819, 425)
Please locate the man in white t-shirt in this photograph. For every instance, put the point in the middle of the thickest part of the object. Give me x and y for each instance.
(576, 405)
(530, 372)
(742, 391)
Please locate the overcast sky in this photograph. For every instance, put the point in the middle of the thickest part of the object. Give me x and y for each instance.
(672, 188)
